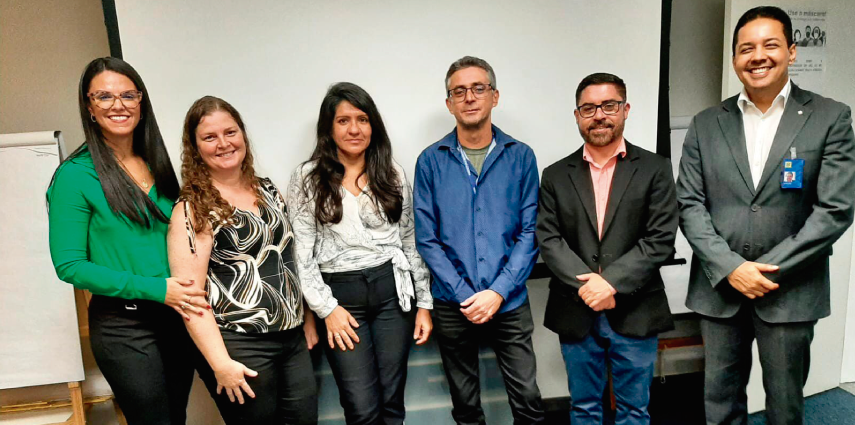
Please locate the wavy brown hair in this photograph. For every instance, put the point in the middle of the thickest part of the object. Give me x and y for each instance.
(198, 189)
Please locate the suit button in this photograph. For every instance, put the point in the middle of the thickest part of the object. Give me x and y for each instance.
(595, 258)
(755, 208)
(481, 259)
(480, 233)
(478, 209)
(746, 247)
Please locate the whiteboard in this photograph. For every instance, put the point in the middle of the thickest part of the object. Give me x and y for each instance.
(39, 336)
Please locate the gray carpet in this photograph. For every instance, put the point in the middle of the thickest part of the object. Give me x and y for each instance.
(833, 407)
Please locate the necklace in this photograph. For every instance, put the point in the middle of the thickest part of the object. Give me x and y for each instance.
(143, 184)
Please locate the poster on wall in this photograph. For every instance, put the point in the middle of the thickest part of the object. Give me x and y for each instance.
(810, 34)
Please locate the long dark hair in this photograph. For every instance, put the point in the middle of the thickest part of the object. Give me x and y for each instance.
(325, 179)
(198, 189)
(123, 195)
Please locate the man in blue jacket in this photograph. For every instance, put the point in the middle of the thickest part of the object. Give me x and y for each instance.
(475, 204)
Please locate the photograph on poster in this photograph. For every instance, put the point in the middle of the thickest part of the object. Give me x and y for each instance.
(810, 28)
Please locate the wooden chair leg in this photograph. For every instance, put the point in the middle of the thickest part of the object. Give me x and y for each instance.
(78, 415)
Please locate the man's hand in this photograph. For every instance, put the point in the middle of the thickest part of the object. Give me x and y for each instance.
(749, 280)
(606, 304)
(481, 307)
(596, 292)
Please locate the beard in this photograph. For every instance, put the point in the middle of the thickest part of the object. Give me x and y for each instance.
(612, 134)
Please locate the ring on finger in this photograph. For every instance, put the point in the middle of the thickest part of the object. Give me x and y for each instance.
(184, 305)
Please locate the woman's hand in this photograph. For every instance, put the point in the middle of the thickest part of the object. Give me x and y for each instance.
(230, 375)
(340, 325)
(183, 297)
(309, 328)
(424, 326)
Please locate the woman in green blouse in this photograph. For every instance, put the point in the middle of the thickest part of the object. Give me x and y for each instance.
(109, 205)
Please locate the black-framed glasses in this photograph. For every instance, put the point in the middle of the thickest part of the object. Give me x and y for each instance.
(478, 90)
(609, 107)
(105, 100)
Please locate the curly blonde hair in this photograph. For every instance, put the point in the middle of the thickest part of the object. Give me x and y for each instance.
(198, 190)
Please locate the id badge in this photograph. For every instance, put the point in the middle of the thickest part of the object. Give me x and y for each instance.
(791, 175)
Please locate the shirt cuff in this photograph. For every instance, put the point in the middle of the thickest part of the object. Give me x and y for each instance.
(327, 308)
(502, 286)
(155, 290)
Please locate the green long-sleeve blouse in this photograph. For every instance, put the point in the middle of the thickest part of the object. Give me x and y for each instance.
(93, 248)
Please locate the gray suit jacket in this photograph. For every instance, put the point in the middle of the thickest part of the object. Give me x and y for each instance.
(727, 221)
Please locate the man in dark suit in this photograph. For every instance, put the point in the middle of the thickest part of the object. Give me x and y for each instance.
(765, 189)
(607, 220)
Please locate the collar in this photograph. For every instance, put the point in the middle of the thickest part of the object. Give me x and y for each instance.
(784, 95)
(621, 150)
(450, 140)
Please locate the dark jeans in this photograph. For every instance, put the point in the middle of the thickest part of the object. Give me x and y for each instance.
(371, 377)
(784, 350)
(509, 334)
(285, 391)
(144, 352)
(632, 361)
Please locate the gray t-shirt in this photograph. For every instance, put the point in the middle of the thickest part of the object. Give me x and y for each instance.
(476, 156)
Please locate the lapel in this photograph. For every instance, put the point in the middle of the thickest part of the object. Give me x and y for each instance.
(624, 170)
(730, 121)
(580, 176)
(795, 115)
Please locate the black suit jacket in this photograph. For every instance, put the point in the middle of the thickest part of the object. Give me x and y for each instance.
(638, 235)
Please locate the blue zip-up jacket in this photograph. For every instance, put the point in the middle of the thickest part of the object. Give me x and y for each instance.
(477, 241)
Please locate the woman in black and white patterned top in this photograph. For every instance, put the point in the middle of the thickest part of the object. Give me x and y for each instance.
(352, 213)
(231, 235)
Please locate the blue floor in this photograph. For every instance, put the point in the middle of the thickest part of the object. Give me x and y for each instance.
(676, 401)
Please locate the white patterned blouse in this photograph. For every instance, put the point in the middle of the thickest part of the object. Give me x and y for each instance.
(363, 239)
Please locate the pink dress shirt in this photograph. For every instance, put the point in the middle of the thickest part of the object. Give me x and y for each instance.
(601, 176)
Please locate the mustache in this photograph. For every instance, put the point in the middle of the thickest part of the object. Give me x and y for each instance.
(599, 125)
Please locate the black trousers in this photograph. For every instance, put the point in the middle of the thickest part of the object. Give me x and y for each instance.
(285, 391)
(509, 334)
(372, 377)
(146, 355)
(784, 350)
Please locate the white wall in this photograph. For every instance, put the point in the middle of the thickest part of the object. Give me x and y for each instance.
(827, 350)
(275, 60)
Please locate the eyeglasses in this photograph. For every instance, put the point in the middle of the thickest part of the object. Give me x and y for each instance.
(609, 107)
(478, 90)
(105, 100)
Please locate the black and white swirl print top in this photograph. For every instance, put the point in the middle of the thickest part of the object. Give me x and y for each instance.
(252, 284)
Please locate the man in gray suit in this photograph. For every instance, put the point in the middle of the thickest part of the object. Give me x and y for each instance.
(765, 188)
